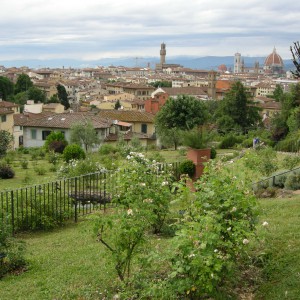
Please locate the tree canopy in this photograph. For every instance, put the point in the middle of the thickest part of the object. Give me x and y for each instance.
(5, 142)
(36, 94)
(84, 134)
(6, 88)
(23, 83)
(183, 113)
(62, 96)
(237, 110)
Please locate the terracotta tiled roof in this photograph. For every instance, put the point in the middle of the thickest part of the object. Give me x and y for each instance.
(127, 115)
(192, 91)
(66, 120)
(6, 104)
(22, 119)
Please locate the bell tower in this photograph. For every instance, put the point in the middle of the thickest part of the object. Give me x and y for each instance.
(212, 81)
(163, 53)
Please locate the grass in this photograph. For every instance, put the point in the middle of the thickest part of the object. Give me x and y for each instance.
(279, 249)
(25, 177)
(69, 263)
(64, 264)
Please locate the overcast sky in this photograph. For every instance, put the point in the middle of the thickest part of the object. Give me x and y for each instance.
(95, 29)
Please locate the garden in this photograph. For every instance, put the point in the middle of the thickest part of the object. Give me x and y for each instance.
(160, 240)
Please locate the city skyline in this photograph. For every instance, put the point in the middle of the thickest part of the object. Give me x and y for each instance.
(91, 30)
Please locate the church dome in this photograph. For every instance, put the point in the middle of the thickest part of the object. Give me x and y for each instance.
(222, 68)
(274, 60)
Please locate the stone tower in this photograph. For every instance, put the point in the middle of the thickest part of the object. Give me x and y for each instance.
(211, 91)
(237, 63)
(163, 53)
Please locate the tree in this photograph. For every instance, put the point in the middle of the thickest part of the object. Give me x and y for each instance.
(53, 99)
(5, 142)
(6, 88)
(62, 96)
(162, 83)
(278, 93)
(56, 142)
(117, 105)
(183, 113)
(23, 83)
(296, 58)
(84, 134)
(36, 94)
(238, 105)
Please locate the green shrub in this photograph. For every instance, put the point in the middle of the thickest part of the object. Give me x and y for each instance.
(213, 153)
(293, 181)
(289, 144)
(6, 172)
(11, 250)
(24, 164)
(56, 142)
(230, 141)
(40, 170)
(57, 146)
(106, 149)
(73, 151)
(291, 161)
(53, 157)
(187, 167)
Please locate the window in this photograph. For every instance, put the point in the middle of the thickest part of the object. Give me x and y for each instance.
(45, 133)
(3, 118)
(33, 134)
(144, 128)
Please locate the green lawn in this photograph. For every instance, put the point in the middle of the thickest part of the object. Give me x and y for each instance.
(279, 249)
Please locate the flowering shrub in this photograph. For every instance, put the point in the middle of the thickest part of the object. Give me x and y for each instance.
(218, 222)
(143, 204)
(79, 167)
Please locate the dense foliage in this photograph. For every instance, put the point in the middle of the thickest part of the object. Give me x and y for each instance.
(11, 250)
(237, 111)
(6, 139)
(73, 151)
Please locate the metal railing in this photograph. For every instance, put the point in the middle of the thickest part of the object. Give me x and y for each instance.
(51, 204)
(274, 180)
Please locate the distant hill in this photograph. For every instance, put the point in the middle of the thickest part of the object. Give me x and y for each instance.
(205, 63)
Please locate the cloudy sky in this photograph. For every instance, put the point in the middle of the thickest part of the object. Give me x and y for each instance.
(95, 29)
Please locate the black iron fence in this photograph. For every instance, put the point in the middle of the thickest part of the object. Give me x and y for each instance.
(51, 204)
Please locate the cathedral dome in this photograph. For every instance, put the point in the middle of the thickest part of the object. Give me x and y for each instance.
(274, 60)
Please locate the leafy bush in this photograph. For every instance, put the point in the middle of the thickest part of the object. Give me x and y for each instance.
(216, 226)
(293, 181)
(229, 141)
(56, 142)
(11, 250)
(79, 167)
(187, 167)
(290, 144)
(143, 204)
(213, 153)
(40, 170)
(53, 158)
(291, 161)
(6, 172)
(106, 149)
(24, 164)
(73, 151)
(57, 146)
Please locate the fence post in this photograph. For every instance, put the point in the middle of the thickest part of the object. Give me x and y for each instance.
(12, 212)
(75, 200)
(273, 181)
